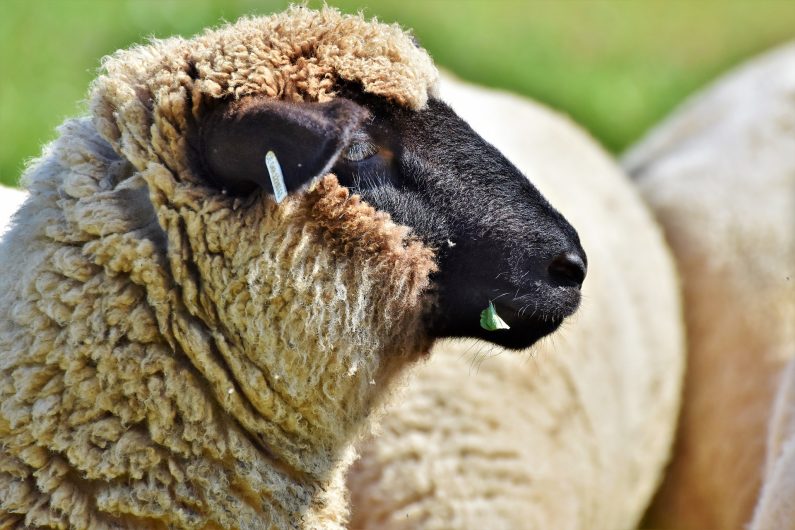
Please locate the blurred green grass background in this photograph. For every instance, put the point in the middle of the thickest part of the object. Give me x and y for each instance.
(616, 66)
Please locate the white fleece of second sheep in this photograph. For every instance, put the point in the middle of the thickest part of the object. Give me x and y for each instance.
(574, 434)
(10, 201)
(720, 175)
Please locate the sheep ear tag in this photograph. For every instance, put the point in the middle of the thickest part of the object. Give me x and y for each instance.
(277, 177)
(274, 145)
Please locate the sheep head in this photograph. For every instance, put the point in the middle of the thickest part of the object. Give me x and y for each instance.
(494, 236)
(305, 309)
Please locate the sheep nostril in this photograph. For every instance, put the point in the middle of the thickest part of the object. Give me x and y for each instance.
(567, 267)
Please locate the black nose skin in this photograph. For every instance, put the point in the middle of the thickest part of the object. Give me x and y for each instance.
(568, 269)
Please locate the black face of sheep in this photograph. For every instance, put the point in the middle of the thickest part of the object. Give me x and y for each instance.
(496, 238)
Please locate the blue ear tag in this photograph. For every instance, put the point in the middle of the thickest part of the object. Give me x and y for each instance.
(277, 178)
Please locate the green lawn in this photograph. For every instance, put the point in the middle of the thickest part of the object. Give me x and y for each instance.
(616, 66)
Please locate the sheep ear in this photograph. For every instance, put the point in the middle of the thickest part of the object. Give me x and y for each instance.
(246, 144)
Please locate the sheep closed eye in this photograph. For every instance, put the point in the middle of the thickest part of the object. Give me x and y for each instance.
(361, 148)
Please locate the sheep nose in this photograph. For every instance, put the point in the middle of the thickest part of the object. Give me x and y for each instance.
(567, 268)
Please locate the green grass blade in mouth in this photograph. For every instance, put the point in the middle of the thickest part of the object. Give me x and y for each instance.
(490, 320)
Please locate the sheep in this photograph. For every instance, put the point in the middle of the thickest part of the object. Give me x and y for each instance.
(221, 272)
(576, 436)
(720, 176)
(10, 199)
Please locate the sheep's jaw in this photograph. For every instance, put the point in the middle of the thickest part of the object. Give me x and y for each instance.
(527, 324)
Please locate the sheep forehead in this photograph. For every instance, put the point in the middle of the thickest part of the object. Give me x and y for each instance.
(296, 54)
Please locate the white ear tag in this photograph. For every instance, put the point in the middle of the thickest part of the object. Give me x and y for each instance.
(277, 178)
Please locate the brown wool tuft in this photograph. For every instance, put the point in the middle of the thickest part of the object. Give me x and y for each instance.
(171, 357)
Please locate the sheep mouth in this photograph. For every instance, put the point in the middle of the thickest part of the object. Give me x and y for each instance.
(527, 326)
(535, 311)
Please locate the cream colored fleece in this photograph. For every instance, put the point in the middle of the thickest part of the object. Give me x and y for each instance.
(720, 175)
(10, 200)
(171, 357)
(574, 434)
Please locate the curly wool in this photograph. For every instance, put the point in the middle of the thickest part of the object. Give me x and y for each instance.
(144, 102)
(176, 358)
